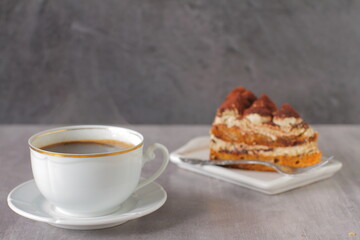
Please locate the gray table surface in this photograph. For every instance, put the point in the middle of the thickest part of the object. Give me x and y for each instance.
(200, 207)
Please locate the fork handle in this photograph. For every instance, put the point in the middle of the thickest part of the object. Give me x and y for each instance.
(224, 162)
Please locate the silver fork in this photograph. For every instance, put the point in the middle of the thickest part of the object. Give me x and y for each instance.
(285, 170)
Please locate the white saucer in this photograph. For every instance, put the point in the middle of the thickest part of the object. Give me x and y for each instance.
(27, 201)
(266, 182)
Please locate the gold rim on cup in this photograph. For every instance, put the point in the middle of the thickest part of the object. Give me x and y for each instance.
(83, 155)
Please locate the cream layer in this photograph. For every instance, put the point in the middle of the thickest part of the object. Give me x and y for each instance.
(218, 144)
(255, 122)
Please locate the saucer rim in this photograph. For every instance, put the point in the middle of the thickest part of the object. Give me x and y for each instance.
(86, 221)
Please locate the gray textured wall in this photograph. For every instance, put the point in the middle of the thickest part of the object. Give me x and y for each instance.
(164, 61)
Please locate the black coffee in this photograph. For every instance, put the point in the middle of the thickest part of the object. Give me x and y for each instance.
(88, 146)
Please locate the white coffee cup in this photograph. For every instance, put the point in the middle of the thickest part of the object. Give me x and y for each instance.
(87, 185)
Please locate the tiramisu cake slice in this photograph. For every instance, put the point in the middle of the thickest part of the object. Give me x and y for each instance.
(246, 127)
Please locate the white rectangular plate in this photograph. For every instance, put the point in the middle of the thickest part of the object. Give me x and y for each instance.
(265, 182)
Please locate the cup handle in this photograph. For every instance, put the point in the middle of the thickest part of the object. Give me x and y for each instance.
(150, 155)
